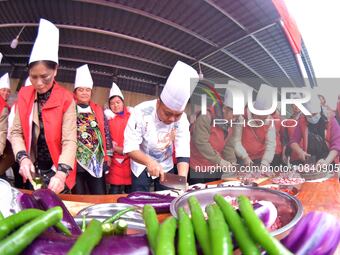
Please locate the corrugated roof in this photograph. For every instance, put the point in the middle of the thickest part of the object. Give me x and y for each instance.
(138, 42)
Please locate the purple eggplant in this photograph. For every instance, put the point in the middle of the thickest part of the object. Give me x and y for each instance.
(57, 244)
(317, 233)
(27, 201)
(161, 206)
(149, 195)
(266, 211)
(49, 199)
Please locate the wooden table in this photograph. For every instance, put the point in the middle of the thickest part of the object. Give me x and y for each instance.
(323, 196)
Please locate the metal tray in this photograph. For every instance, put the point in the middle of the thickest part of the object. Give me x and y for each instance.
(316, 177)
(293, 189)
(289, 208)
(101, 212)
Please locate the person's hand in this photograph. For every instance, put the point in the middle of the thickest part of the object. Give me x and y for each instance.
(265, 169)
(27, 170)
(322, 164)
(57, 182)
(155, 169)
(247, 161)
(114, 145)
(302, 155)
(225, 163)
(108, 162)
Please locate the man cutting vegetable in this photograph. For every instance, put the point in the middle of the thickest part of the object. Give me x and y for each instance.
(156, 127)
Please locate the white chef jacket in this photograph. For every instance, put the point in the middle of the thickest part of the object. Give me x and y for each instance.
(145, 132)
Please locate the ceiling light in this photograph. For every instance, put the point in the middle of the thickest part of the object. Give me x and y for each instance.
(15, 41)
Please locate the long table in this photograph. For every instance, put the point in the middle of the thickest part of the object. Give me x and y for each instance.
(318, 196)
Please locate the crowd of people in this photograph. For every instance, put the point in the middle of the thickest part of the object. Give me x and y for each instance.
(75, 146)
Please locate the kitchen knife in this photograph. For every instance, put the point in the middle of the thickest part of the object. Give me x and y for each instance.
(174, 181)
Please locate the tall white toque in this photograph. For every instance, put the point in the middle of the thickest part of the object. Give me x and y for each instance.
(179, 86)
(46, 44)
(115, 91)
(83, 77)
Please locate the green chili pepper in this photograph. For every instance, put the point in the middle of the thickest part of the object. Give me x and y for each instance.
(88, 240)
(186, 236)
(118, 215)
(83, 223)
(108, 229)
(120, 227)
(220, 236)
(151, 225)
(257, 229)
(20, 239)
(246, 244)
(166, 237)
(200, 225)
(16, 220)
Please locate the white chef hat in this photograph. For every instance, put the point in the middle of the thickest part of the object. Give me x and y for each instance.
(264, 97)
(1, 56)
(4, 82)
(28, 82)
(228, 98)
(83, 77)
(236, 92)
(314, 104)
(179, 86)
(46, 44)
(115, 91)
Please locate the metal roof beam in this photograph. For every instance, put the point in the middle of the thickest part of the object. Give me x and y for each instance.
(116, 53)
(153, 17)
(246, 66)
(105, 32)
(98, 73)
(225, 13)
(96, 63)
(236, 41)
(220, 71)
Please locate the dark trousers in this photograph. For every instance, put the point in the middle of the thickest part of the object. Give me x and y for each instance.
(143, 182)
(119, 189)
(87, 184)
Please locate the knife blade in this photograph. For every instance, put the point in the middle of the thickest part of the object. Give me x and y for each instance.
(174, 181)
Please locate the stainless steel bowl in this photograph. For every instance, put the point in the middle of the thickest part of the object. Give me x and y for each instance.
(8, 199)
(289, 208)
(101, 212)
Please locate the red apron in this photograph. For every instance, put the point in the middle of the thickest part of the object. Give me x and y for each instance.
(120, 171)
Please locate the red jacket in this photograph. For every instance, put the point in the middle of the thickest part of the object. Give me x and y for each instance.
(120, 171)
(3, 104)
(217, 141)
(279, 133)
(254, 141)
(52, 116)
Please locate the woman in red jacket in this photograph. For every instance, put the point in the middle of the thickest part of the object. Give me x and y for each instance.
(43, 134)
(119, 176)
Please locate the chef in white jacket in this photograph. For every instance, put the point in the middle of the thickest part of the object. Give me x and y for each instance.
(158, 126)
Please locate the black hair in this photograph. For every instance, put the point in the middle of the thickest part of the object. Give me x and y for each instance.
(49, 64)
(116, 96)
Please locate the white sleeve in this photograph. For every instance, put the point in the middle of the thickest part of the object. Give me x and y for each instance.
(270, 146)
(240, 151)
(133, 135)
(182, 140)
